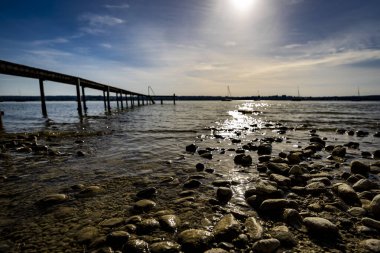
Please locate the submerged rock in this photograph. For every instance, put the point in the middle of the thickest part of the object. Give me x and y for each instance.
(52, 199)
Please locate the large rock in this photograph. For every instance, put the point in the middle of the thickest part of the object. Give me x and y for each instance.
(264, 149)
(136, 246)
(195, 240)
(147, 226)
(293, 218)
(279, 168)
(365, 185)
(274, 205)
(244, 160)
(347, 194)
(147, 193)
(371, 245)
(216, 250)
(359, 168)
(371, 223)
(280, 179)
(253, 228)
(375, 206)
(321, 227)
(266, 246)
(339, 151)
(224, 194)
(165, 247)
(117, 239)
(170, 222)
(227, 228)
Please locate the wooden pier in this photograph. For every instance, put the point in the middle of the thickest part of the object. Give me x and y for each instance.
(122, 96)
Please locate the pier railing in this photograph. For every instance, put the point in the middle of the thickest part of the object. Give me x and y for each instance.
(9, 68)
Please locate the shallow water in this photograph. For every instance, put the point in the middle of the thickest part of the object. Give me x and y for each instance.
(144, 145)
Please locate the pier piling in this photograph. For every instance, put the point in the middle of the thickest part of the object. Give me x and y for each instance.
(104, 100)
(43, 101)
(108, 100)
(1, 119)
(174, 98)
(80, 112)
(84, 100)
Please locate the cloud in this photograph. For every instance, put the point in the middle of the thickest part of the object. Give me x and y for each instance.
(95, 24)
(230, 44)
(106, 45)
(120, 6)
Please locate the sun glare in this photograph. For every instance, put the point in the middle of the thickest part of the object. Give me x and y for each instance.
(242, 5)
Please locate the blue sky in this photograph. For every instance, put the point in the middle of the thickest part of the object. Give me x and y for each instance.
(196, 47)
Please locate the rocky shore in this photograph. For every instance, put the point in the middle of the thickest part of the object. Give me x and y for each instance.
(225, 193)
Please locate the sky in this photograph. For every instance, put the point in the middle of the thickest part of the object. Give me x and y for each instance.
(196, 47)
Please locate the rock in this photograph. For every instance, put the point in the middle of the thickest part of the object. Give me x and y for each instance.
(200, 166)
(224, 194)
(253, 228)
(87, 234)
(244, 160)
(144, 205)
(371, 245)
(375, 206)
(316, 188)
(227, 228)
(274, 205)
(364, 185)
(165, 247)
(133, 219)
(321, 227)
(286, 238)
(191, 184)
(266, 246)
(170, 222)
(376, 154)
(90, 191)
(347, 194)
(361, 133)
(297, 170)
(191, 148)
(371, 223)
(377, 134)
(359, 168)
(293, 218)
(353, 145)
(113, 222)
(207, 155)
(264, 149)
(279, 168)
(195, 240)
(52, 199)
(216, 250)
(136, 246)
(265, 190)
(339, 151)
(318, 140)
(357, 211)
(117, 239)
(294, 158)
(280, 180)
(147, 193)
(147, 226)
(222, 183)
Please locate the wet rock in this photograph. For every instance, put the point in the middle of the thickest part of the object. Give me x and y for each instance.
(170, 222)
(339, 151)
(361, 133)
(353, 145)
(224, 194)
(297, 170)
(274, 205)
(191, 148)
(216, 250)
(185, 199)
(377, 134)
(87, 234)
(364, 185)
(286, 238)
(375, 206)
(244, 160)
(376, 154)
(347, 194)
(147, 226)
(133, 219)
(357, 211)
(52, 199)
(80, 153)
(222, 183)
(264, 158)
(371, 223)
(117, 239)
(294, 158)
(207, 155)
(136, 246)
(293, 218)
(280, 180)
(320, 227)
(113, 222)
(318, 140)
(227, 228)
(264, 149)
(316, 188)
(279, 168)
(195, 240)
(371, 245)
(165, 247)
(266, 190)
(241, 241)
(144, 205)
(266, 246)
(359, 168)
(191, 184)
(147, 193)
(200, 166)
(253, 228)
(90, 191)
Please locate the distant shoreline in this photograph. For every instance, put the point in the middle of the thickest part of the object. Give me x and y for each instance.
(197, 98)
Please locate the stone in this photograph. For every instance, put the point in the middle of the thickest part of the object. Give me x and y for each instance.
(147, 226)
(113, 222)
(294, 158)
(359, 168)
(365, 185)
(264, 149)
(292, 217)
(133, 219)
(147, 193)
(357, 211)
(316, 188)
(136, 246)
(376, 154)
(318, 140)
(87, 234)
(279, 168)
(224, 194)
(286, 238)
(267, 190)
(297, 170)
(117, 239)
(52, 199)
(216, 250)
(254, 229)
(191, 148)
(191, 184)
(244, 160)
(200, 166)
(195, 240)
(361, 133)
(371, 223)
(347, 194)
(144, 205)
(227, 228)
(371, 245)
(170, 222)
(321, 227)
(274, 205)
(375, 206)
(339, 151)
(266, 246)
(90, 191)
(207, 155)
(165, 247)
(280, 180)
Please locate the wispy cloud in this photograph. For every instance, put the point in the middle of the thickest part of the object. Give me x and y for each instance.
(115, 6)
(59, 40)
(106, 45)
(95, 24)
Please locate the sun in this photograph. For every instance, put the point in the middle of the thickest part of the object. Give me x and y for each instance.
(242, 5)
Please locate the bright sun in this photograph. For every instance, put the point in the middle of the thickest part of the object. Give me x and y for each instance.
(242, 5)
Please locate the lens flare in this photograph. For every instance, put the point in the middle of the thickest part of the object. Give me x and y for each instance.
(242, 5)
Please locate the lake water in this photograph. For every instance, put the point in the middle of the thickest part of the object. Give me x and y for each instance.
(147, 144)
